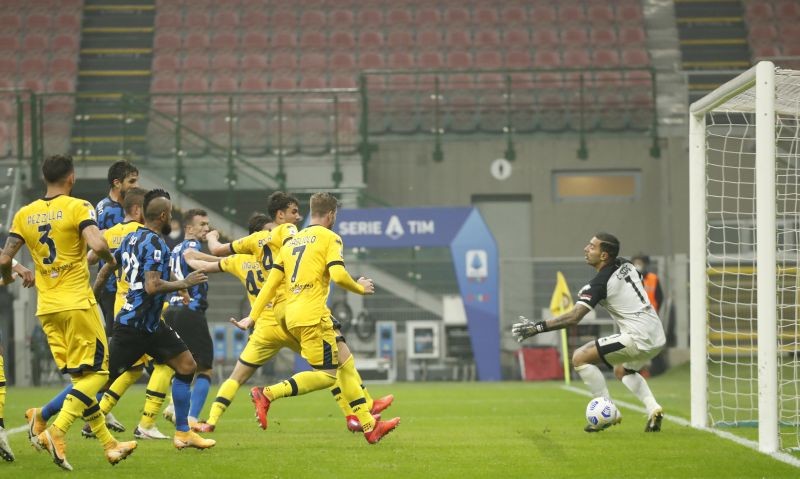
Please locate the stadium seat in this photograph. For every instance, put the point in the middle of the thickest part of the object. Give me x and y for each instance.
(635, 57)
(762, 33)
(255, 62)
(283, 19)
(427, 16)
(196, 19)
(542, 14)
(171, 20)
(166, 41)
(283, 40)
(313, 40)
(487, 38)
(35, 42)
(195, 41)
(65, 66)
(342, 62)
(283, 82)
(488, 59)
(789, 31)
(254, 20)
(254, 82)
(339, 80)
(545, 59)
(577, 58)
(458, 39)
(456, 16)
(485, 16)
(516, 37)
(758, 10)
(340, 18)
(603, 36)
(224, 41)
(311, 62)
(570, 12)
(631, 35)
(225, 62)
(166, 62)
(545, 37)
(67, 22)
(431, 60)
(460, 59)
(195, 62)
(33, 65)
(225, 20)
(370, 60)
(254, 41)
(604, 58)
(574, 36)
(10, 22)
(401, 60)
(600, 13)
(399, 17)
(520, 58)
(283, 61)
(639, 78)
(9, 44)
(429, 39)
(313, 20)
(225, 83)
(514, 15)
(313, 82)
(400, 39)
(342, 40)
(37, 22)
(370, 40)
(630, 13)
(370, 17)
(788, 10)
(164, 83)
(64, 43)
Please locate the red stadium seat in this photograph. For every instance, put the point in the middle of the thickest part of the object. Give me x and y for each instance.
(342, 61)
(166, 41)
(459, 59)
(546, 59)
(61, 85)
(225, 83)
(370, 18)
(255, 62)
(164, 84)
(255, 41)
(339, 80)
(283, 82)
(283, 40)
(638, 78)
(428, 16)
(196, 62)
(10, 22)
(514, 15)
(574, 36)
(766, 50)
(576, 58)
(194, 84)
(313, 40)
(37, 22)
(66, 66)
(224, 62)
(542, 14)
(570, 12)
(342, 40)
(545, 37)
(608, 79)
(789, 31)
(399, 17)
(400, 39)
(516, 38)
(632, 35)
(64, 43)
(313, 62)
(254, 82)
(430, 59)
(283, 19)
(34, 84)
(224, 41)
(370, 60)
(762, 33)
(600, 13)
(196, 19)
(630, 13)
(518, 59)
(487, 37)
(195, 41)
(313, 82)
(170, 20)
(758, 10)
(456, 17)
(605, 57)
(68, 22)
(225, 20)
(254, 19)
(635, 57)
(283, 61)
(35, 42)
(429, 39)
(401, 60)
(788, 10)
(603, 36)
(9, 43)
(458, 39)
(485, 16)
(341, 18)
(370, 40)
(488, 59)
(166, 62)
(34, 65)
(313, 19)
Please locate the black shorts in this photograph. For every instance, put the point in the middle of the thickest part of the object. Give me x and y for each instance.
(129, 344)
(106, 301)
(193, 329)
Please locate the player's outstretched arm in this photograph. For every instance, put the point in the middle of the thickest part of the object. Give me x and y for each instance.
(193, 254)
(217, 248)
(526, 328)
(268, 291)
(342, 278)
(94, 238)
(13, 244)
(153, 284)
(204, 265)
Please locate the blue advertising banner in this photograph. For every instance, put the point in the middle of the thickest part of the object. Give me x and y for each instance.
(474, 254)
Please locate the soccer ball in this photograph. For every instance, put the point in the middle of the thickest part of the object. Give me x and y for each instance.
(600, 412)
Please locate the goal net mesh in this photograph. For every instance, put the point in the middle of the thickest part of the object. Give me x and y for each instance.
(731, 247)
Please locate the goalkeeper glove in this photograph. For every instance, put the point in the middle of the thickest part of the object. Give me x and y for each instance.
(527, 328)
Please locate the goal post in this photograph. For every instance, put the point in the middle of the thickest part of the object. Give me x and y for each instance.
(744, 242)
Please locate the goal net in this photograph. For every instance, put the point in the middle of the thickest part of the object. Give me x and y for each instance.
(744, 246)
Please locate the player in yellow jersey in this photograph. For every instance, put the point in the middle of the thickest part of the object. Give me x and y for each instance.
(27, 281)
(57, 230)
(305, 267)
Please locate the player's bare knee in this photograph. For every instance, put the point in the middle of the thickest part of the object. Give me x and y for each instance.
(620, 372)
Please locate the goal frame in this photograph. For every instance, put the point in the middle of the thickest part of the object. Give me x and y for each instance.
(761, 77)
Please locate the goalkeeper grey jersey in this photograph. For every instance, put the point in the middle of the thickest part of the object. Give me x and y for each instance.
(618, 288)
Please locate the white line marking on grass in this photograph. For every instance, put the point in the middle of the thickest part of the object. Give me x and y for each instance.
(780, 456)
(17, 429)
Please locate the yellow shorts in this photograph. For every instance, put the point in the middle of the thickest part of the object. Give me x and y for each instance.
(77, 340)
(318, 344)
(265, 342)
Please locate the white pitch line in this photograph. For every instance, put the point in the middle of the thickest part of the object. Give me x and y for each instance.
(780, 456)
(17, 429)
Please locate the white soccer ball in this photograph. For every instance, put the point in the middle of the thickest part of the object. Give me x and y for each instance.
(601, 412)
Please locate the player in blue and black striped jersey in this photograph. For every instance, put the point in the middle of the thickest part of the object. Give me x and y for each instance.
(122, 176)
(189, 320)
(143, 257)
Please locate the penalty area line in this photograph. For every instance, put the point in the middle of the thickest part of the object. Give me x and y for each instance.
(780, 456)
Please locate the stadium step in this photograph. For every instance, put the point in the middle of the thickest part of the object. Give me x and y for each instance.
(115, 57)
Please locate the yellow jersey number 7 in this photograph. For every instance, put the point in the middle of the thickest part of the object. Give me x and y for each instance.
(298, 250)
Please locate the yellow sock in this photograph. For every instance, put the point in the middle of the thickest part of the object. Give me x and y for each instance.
(300, 383)
(366, 393)
(155, 394)
(336, 390)
(2, 392)
(118, 388)
(224, 397)
(81, 397)
(350, 383)
(97, 421)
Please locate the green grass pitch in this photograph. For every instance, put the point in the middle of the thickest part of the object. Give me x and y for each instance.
(460, 430)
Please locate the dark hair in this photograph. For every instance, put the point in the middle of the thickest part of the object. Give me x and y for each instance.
(152, 213)
(120, 170)
(642, 257)
(608, 244)
(188, 217)
(56, 168)
(279, 201)
(323, 203)
(133, 197)
(257, 222)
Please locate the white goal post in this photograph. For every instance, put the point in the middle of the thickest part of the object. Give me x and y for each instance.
(744, 221)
